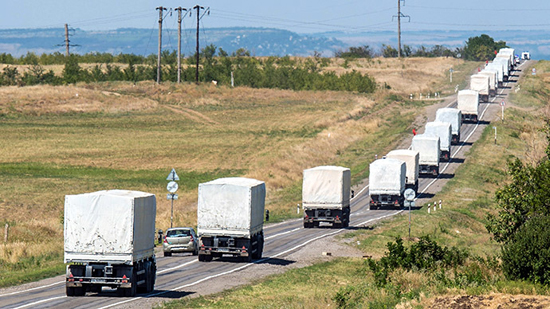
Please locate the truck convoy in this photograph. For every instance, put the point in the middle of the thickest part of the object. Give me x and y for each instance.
(411, 159)
(480, 83)
(110, 241)
(326, 196)
(468, 104)
(387, 179)
(429, 153)
(444, 132)
(230, 218)
(454, 117)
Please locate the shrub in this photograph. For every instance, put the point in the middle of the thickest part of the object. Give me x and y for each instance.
(527, 255)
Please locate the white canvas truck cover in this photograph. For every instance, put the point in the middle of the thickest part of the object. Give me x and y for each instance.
(497, 67)
(387, 176)
(505, 61)
(116, 226)
(441, 130)
(428, 149)
(411, 159)
(452, 116)
(480, 83)
(493, 81)
(468, 102)
(232, 206)
(510, 52)
(326, 187)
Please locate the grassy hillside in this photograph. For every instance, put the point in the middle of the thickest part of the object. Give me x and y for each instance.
(467, 199)
(87, 137)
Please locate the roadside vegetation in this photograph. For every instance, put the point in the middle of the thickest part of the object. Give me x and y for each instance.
(452, 259)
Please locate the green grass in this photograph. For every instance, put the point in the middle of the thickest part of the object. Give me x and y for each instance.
(31, 269)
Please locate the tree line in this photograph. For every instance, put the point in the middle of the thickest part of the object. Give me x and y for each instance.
(479, 48)
(215, 65)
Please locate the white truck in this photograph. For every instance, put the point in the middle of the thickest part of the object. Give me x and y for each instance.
(110, 241)
(511, 53)
(480, 83)
(387, 181)
(326, 196)
(429, 152)
(493, 81)
(496, 67)
(506, 66)
(454, 117)
(444, 132)
(468, 104)
(525, 55)
(411, 159)
(230, 218)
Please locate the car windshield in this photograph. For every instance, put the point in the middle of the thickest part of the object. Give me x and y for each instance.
(178, 233)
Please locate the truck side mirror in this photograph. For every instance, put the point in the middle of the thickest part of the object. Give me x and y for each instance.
(266, 215)
(352, 194)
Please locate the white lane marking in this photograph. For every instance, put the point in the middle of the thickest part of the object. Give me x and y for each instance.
(174, 268)
(32, 289)
(248, 264)
(40, 301)
(281, 223)
(283, 233)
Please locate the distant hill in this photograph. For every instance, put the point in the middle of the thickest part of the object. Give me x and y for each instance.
(259, 41)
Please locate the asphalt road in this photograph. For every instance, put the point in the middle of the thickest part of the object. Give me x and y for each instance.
(182, 275)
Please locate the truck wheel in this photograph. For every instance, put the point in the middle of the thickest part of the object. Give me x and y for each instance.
(69, 291)
(132, 291)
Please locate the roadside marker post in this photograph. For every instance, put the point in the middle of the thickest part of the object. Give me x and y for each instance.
(172, 187)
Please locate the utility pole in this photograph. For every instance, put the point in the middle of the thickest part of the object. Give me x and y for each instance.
(160, 9)
(67, 40)
(198, 8)
(179, 9)
(399, 15)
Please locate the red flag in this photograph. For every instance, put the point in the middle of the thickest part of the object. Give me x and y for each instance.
(414, 132)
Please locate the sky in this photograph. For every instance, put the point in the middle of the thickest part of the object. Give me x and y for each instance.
(304, 16)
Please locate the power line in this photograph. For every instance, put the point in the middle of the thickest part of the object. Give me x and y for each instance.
(199, 17)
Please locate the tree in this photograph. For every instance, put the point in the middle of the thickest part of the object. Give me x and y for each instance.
(527, 255)
(527, 196)
(521, 223)
(481, 48)
(355, 52)
(388, 51)
(71, 71)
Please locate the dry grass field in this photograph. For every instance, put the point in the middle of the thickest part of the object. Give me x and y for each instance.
(86, 137)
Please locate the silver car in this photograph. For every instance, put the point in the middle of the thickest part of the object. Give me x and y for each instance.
(180, 239)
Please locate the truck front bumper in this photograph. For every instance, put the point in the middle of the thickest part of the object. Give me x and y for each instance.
(220, 251)
(113, 282)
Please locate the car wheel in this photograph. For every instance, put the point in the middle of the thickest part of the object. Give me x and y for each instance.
(167, 253)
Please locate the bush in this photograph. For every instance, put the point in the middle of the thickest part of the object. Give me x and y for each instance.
(527, 255)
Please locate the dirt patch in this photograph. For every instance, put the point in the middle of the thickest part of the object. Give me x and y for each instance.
(491, 301)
